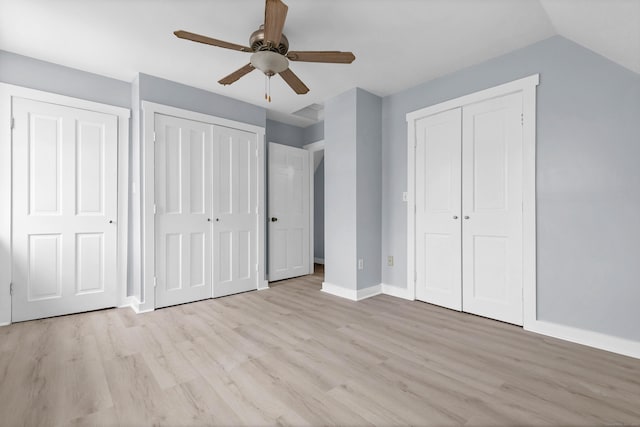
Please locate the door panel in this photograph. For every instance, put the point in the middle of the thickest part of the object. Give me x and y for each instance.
(89, 164)
(45, 269)
(183, 210)
(492, 208)
(438, 223)
(235, 248)
(64, 197)
(289, 203)
(89, 262)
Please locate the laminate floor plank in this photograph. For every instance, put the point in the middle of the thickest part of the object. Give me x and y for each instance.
(293, 355)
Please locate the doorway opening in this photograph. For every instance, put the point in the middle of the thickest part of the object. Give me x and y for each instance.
(317, 191)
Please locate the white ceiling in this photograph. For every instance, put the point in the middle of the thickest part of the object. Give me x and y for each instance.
(397, 43)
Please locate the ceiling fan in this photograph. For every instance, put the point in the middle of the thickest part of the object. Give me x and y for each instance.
(270, 50)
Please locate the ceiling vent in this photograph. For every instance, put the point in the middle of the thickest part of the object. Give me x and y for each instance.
(313, 112)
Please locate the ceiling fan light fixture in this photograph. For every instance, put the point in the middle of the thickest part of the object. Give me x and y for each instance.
(271, 51)
(269, 62)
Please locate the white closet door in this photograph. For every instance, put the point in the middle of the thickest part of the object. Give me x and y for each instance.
(438, 192)
(288, 212)
(235, 243)
(492, 208)
(64, 210)
(183, 210)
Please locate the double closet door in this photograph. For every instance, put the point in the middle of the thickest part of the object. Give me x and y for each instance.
(206, 210)
(469, 209)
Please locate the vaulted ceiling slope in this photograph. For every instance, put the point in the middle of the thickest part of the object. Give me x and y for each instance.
(398, 43)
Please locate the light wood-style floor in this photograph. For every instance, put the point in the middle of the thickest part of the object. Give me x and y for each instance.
(293, 355)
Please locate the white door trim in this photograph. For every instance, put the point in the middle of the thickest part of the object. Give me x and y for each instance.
(527, 86)
(7, 93)
(149, 109)
(312, 148)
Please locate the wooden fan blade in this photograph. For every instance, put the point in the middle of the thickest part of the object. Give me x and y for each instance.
(236, 75)
(275, 13)
(322, 56)
(208, 40)
(293, 81)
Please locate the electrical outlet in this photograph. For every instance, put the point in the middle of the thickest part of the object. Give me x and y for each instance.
(390, 261)
(360, 264)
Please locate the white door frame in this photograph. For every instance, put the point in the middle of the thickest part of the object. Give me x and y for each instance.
(527, 86)
(312, 148)
(149, 109)
(7, 93)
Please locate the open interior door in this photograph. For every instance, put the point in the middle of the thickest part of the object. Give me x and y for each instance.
(289, 222)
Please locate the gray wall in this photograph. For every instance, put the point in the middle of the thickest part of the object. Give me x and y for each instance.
(178, 95)
(313, 133)
(293, 136)
(588, 179)
(35, 74)
(340, 190)
(353, 149)
(284, 134)
(369, 187)
(318, 211)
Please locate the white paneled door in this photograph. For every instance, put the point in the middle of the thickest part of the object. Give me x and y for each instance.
(468, 196)
(235, 211)
(438, 209)
(183, 185)
(206, 210)
(492, 208)
(64, 210)
(288, 212)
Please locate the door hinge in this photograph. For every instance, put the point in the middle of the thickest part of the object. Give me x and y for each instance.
(256, 152)
(155, 282)
(522, 119)
(257, 267)
(10, 288)
(13, 123)
(155, 209)
(415, 276)
(154, 136)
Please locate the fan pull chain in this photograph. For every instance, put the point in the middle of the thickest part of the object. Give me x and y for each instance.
(267, 87)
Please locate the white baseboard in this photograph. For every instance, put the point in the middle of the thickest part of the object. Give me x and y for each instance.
(598, 340)
(395, 291)
(318, 260)
(263, 285)
(5, 323)
(369, 292)
(135, 306)
(126, 302)
(351, 294)
(589, 338)
(339, 291)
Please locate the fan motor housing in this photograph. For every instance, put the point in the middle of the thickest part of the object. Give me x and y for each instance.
(257, 43)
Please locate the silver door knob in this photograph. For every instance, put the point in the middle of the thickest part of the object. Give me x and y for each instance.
(209, 219)
(274, 219)
(466, 217)
(110, 221)
(217, 219)
(455, 217)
